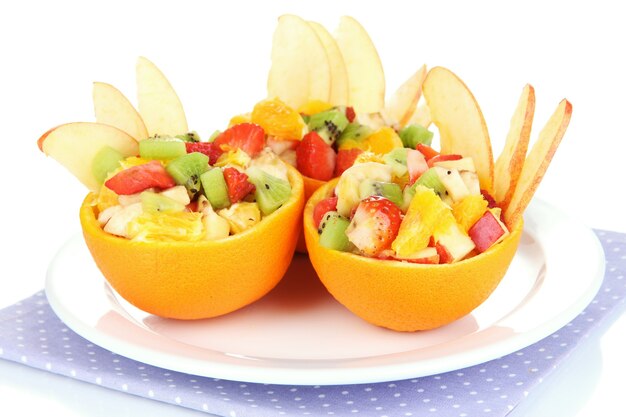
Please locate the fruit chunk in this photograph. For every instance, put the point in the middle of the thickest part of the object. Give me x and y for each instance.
(113, 108)
(347, 189)
(278, 119)
(404, 101)
(431, 179)
(215, 226)
(487, 231)
(383, 141)
(374, 225)
(397, 160)
(345, 159)
(241, 216)
(333, 231)
(416, 164)
(248, 137)
(413, 134)
(187, 169)
(353, 136)
(339, 85)
(104, 162)
(165, 148)
(271, 192)
(159, 106)
(469, 210)
(210, 149)
(152, 202)
(215, 188)
(139, 178)
(389, 190)
(166, 227)
(366, 77)
(76, 145)
(315, 157)
(300, 69)
(323, 207)
(328, 124)
(238, 184)
(462, 127)
(452, 181)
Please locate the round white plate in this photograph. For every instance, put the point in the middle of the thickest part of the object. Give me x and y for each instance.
(298, 334)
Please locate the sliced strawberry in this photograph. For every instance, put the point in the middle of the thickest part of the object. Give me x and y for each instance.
(210, 149)
(238, 184)
(315, 158)
(440, 158)
(345, 159)
(248, 137)
(140, 177)
(426, 150)
(350, 114)
(375, 225)
(323, 207)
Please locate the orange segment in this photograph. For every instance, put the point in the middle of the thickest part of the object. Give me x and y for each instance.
(239, 119)
(314, 106)
(404, 296)
(195, 280)
(383, 140)
(278, 119)
(469, 210)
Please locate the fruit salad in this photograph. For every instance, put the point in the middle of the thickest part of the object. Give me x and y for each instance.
(182, 189)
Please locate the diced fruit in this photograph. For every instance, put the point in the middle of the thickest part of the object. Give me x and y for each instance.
(471, 182)
(186, 170)
(414, 134)
(451, 242)
(189, 137)
(248, 137)
(215, 188)
(333, 231)
(235, 158)
(166, 227)
(345, 159)
(416, 164)
(119, 221)
(139, 178)
(210, 149)
(431, 179)
(397, 160)
(280, 146)
(314, 106)
(323, 207)
(427, 255)
(440, 157)
(487, 231)
(178, 193)
(353, 136)
(238, 184)
(271, 192)
(278, 119)
(427, 151)
(489, 198)
(452, 181)
(328, 124)
(347, 189)
(215, 226)
(106, 198)
(350, 113)
(469, 210)
(389, 190)
(152, 202)
(164, 149)
(383, 140)
(453, 162)
(315, 157)
(374, 225)
(241, 216)
(104, 162)
(269, 162)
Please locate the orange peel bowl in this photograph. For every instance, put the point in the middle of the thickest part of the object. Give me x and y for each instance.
(310, 186)
(196, 280)
(403, 296)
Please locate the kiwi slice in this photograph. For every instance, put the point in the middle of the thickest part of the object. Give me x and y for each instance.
(388, 190)
(355, 132)
(271, 192)
(396, 159)
(215, 188)
(189, 137)
(106, 161)
(429, 179)
(186, 170)
(162, 148)
(333, 231)
(156, 203)
(411, 135)
(328, 124)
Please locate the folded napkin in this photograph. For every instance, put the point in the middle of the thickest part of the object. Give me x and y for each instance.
(30, 333)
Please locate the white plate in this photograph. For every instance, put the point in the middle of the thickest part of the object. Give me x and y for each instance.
(299, 334)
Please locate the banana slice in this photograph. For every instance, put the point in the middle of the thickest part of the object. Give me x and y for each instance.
(347, 189)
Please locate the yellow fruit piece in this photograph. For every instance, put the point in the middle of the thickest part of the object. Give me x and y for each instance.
(369, 157)
(133, 161)
(425, 213)
(241, 216)
(167, 227)
(314, 106)
(351, 143)
(469, 210)
(233, 158)
(383, 140)
(278, 119)
(239, 119)
(106, 198)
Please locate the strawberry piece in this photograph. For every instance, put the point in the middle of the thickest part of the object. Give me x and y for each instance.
(248, 137)
(440, 158)
(375, 225)
(416, 164)
(315, 158)
(323, 207)
(210, 149)
(345, 159)
(238, 184)
(427, 151)
(139, 178)
(350, 114)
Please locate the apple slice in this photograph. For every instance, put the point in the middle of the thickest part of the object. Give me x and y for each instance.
(510, 162)
(113, 108)
(159, 105)
(487, 231)
(421, 116)
(75, 145)
(338, 74)
(300, 69)
(537, 162)
(403, 103)
(366, 77)
(462, 127)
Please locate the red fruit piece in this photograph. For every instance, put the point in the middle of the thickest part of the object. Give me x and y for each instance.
(248, 137)
(238, 184)
(323, 207)
(345, 159)
(210, 149)
(416, 164)
(350, 114)
(426, 150)
(315, 158)
(139, 178)
(486, 231)
(491, 202)
(374, 225)
(440, 158)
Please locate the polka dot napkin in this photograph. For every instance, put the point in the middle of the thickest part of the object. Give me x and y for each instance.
(32, 334)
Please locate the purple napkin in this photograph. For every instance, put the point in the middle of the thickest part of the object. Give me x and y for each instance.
(32, 334)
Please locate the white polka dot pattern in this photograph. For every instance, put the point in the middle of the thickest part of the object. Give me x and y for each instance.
(30, 333)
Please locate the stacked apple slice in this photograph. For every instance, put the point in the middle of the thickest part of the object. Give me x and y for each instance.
(119, 126)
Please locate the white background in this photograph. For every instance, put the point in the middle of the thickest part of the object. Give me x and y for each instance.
(216, 54)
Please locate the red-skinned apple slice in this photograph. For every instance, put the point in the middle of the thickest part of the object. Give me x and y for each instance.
(366, 77)
(510, 162)
(487, 231)
(300, 68)
(403, 103)
(338, 75)
(462, 127)
(537, 162)
(75, 145)
(113, 108)
(159, 105)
